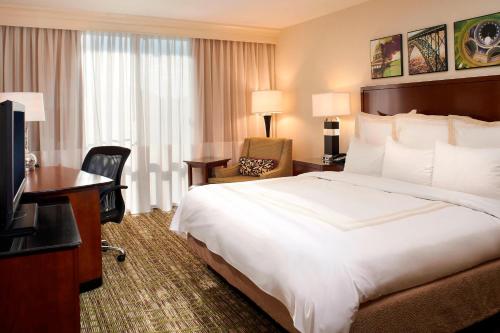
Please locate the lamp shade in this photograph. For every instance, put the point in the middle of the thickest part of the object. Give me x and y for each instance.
(267, 101)
(33, 104)
(331, 104)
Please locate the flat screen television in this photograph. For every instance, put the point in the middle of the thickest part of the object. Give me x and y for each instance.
(12, 167)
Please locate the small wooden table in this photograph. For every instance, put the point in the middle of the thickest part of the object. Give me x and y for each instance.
(46, 184)
(206, 164)
(314, 164)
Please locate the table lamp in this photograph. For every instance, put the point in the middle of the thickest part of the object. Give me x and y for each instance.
(331, 105)
(33, 111)
(267, 102)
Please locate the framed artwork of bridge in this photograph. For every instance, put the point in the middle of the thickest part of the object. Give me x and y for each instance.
(386, 55)
(477, 42)
(427, 50)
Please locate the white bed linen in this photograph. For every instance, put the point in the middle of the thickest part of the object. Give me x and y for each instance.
(285, 236)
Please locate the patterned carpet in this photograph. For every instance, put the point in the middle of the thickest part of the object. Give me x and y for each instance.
(163, 287)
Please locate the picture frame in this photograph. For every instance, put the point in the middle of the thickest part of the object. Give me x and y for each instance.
(386, 56)
(428, 50)
(477, 42)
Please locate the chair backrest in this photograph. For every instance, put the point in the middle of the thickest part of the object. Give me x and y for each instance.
(277, 149)
(107, 161)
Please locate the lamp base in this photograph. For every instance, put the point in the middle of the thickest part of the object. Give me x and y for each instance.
(267, 122)
(331, 134)
(30, 161)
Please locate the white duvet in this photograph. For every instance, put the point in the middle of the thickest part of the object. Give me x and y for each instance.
(324, 242)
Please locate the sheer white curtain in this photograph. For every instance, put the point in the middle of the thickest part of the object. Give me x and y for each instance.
(138, 93)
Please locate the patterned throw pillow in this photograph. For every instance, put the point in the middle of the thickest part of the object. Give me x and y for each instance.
(255, 166)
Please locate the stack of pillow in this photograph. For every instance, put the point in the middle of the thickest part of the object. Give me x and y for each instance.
(456, 153)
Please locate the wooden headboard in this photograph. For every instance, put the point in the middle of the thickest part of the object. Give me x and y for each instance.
(477, 97)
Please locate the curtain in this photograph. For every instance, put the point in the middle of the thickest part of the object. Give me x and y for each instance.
(47, 61)
(226, 73)
(138, 93)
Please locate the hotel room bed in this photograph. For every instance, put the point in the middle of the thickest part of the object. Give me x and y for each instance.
(338, 252)
(324, 243)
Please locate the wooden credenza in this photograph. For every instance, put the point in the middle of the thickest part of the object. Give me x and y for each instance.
(50, 183)
(39, 282)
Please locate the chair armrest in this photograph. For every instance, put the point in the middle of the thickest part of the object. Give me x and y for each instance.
(233, 170)
(114, 188)
(278, 172)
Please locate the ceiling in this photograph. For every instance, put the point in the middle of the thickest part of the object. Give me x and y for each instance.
(256, 13)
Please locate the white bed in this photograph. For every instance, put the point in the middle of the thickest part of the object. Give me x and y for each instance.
(323, 243)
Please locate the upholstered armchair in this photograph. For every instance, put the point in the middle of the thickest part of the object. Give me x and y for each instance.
(264, 148)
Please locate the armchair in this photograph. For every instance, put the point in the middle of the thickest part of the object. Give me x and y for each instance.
(276, 149)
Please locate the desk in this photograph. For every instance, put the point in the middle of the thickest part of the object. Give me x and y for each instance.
(48, 183)
(39, 284)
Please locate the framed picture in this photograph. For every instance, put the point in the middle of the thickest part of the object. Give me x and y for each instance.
(477, 42)
(386, 56)
(427, 50)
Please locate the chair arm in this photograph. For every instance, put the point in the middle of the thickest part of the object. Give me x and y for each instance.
(278, 172)
(233, 170)
(114, 188)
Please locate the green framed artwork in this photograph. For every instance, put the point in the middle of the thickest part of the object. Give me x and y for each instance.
(427, 51)
(386, 56)
(477, 42)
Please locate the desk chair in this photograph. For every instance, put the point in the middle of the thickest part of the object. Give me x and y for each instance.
(108, 161)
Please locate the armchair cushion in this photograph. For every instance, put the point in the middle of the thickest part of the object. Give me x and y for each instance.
(231, 171)
(255, 166)
(234, 179)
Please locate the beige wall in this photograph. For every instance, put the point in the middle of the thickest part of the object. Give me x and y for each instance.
(331, 53)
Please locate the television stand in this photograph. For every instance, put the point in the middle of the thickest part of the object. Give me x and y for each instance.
(24, 222)
(39, 284)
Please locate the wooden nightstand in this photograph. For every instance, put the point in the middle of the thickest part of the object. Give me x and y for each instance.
(314, 164)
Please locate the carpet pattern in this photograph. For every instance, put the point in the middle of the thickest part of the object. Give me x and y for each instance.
(163, 287)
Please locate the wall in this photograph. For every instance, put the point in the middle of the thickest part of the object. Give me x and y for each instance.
(332, 53)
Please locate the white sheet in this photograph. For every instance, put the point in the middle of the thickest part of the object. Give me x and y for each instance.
(285, 236)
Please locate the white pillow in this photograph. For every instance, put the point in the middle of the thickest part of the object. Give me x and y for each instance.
(468, 132)
(373, 129)
(364, 158)
(421, 131)
(407, 164)
(469, 170)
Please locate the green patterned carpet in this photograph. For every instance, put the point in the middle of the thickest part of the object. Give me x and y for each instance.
(163, 287)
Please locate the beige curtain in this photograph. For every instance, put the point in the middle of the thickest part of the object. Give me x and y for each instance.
(47, 61)
(226, 73)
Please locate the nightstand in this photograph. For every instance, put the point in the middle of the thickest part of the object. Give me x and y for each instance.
(314, 164)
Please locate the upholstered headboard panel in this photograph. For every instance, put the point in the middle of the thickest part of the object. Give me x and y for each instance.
(477, 97)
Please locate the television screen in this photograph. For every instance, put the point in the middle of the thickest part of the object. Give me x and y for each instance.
(18, 151)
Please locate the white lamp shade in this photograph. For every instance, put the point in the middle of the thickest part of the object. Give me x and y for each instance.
(267, 101)
(331, 104)
(33, 104)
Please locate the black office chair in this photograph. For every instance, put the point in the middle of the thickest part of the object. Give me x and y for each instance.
(108, 161)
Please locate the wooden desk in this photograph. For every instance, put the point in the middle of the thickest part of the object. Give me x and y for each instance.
(206, 164)
(48, 183)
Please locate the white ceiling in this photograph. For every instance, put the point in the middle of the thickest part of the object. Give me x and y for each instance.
(256, 13)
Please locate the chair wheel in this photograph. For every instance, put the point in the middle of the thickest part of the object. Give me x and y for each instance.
(104, 249)
(104, 243)
(120, 258)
